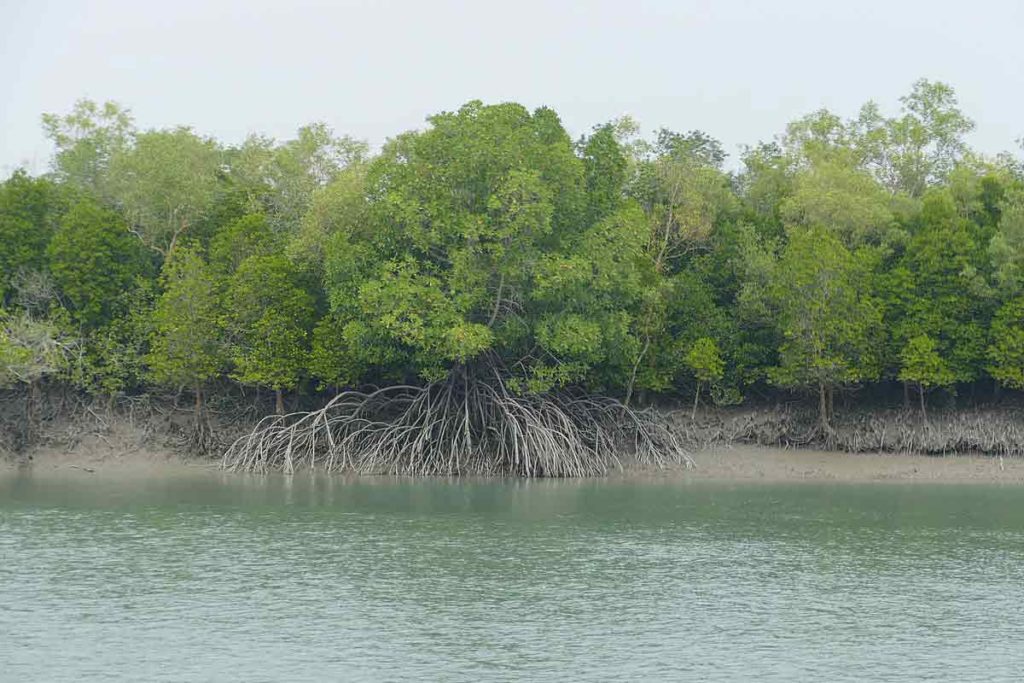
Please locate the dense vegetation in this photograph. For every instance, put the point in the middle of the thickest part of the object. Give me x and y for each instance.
(491, 252)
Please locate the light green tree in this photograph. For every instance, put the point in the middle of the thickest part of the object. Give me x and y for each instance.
(705, 361)
(923, 366)
(843, 198)
(31, 351)
(86, 139)
(828, 319)
(166, 184)
(282, 178)
(186, 343)
(919, 148)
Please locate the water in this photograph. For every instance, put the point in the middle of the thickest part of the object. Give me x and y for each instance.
(207, 577)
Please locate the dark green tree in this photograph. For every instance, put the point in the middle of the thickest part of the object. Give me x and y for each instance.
(93, 259)
(270, 319)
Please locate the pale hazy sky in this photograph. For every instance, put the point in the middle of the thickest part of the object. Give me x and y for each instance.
(737, 70)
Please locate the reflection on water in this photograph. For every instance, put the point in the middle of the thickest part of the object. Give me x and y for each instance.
(203, 577)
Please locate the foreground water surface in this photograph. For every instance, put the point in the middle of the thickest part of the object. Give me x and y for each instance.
(206, 577)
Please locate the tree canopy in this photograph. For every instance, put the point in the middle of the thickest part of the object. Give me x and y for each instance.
(491, 243)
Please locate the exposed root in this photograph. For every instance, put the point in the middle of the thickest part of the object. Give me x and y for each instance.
(456, 427)
(198, 438)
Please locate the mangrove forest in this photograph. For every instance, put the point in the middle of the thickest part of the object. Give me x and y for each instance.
(491, 294)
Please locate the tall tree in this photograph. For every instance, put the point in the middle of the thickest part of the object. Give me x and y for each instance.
(947, 298)
(270, 319)
(459, 218)
(1006, 348)
(921, 147)
(86, 139)
(186, 344)
(923, 366)
(1007, 246)
(282, 179)
(827, 316)
(166, 184)
(705, 360)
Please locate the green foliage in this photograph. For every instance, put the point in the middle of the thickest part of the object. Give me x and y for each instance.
(705, 360)
(605, 165)
(922, 364)
(338, 206)
(86, 140)
(458, 221)
(828, 317)
(282, 179)
(1007, 246)
(1006, 351)
(111, 359)
(93, 259)
(843, 198)
(489, 243)
(28, 207)
(241, 239)
(166, 183)
(269, 318)
(920, 148)
(186, 342)
(947, 298)
(30, 349)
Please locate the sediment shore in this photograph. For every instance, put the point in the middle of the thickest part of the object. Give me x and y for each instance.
(737, 463)
(768, 464)
(749, 445)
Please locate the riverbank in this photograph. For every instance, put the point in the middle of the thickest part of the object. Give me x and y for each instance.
(740, 444)
(987, 430)
(739, 463)
(768, 464)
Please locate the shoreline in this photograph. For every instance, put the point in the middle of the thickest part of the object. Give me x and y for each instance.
(739, 463)
(748, 444)
(752, 463)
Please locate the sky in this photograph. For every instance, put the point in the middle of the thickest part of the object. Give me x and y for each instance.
(734, 69)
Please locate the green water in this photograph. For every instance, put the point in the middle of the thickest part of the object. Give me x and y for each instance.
(206, 577)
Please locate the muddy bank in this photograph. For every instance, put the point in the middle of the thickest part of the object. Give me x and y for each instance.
(763, 463)
(739, 463)
(144, 433)
(749, 444)
(107, 456)
(988, 431)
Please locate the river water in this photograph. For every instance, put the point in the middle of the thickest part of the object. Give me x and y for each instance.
(210, 577)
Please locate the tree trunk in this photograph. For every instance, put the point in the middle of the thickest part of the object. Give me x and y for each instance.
(199, 404)
(823, 407)
(31, 411)
(632, 377)
(30, 402)
(696, 398)
(831, 404)
(279, 401)
(906, 396)
(924, 414)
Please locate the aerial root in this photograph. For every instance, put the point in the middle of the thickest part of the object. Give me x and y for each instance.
(456, 428)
